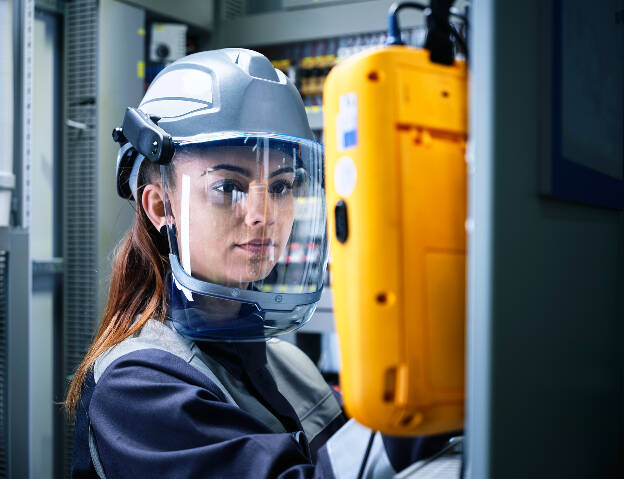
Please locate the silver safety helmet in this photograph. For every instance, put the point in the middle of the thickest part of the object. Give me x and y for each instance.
(242, 176)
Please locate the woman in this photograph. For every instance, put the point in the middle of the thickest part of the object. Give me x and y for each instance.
(183, 378)
(174, 384)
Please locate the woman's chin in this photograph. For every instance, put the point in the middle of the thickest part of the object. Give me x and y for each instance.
(255, 276)
(254, 272)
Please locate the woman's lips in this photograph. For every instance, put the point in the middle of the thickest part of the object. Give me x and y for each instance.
(257, 247)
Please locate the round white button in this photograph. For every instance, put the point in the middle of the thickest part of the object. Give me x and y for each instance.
(345, 176)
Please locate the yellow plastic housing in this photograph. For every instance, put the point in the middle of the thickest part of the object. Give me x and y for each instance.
(395, 139)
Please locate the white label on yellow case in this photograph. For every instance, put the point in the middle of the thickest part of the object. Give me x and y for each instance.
(347, 122)
(345, 175)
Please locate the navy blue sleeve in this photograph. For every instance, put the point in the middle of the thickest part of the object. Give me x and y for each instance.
(81, 467)
(154, 415)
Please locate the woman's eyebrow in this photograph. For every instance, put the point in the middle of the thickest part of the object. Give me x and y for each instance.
(286, 169)
(244, 171)
(236, 169)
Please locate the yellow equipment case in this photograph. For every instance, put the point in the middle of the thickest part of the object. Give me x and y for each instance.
(395, 174)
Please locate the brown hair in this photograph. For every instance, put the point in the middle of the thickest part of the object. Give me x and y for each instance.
(136, 288)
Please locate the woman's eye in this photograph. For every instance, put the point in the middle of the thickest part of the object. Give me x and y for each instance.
(227, 187)
(280, 188)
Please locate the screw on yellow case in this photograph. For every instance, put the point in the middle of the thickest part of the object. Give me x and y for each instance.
(395, 140)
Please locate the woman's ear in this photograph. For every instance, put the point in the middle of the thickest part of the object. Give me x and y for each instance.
(153, 203)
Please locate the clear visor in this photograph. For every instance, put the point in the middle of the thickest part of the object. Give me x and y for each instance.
(247, 231)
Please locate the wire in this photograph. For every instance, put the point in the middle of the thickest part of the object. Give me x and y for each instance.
(459, 14)
(462, 465)
(394, 32)
(460, 41)
(366, 454)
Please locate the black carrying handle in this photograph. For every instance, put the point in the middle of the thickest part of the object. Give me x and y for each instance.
(439, 29)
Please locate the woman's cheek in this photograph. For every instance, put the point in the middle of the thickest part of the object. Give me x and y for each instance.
(287, 218)
(208, 243)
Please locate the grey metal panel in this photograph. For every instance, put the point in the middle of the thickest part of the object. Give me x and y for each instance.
(44, 227)
(52, 266)
(18, 207)
(199, 13)
(53, 6)
(19, 288)
(6, 91)
(479, 284)
(312, 3)
(254, 6)
(307, 24)
(4, 366)
(80, 183)
(546, 375)
(19, 285)
(5, 239)
(231, 9)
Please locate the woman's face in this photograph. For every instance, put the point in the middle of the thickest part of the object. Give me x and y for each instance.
(233, 209)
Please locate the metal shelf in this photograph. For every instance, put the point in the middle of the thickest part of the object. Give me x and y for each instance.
(287, 26)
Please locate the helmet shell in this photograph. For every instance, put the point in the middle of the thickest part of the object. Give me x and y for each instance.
(232, 89)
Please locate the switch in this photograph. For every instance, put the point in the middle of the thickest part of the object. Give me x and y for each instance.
(342, 223)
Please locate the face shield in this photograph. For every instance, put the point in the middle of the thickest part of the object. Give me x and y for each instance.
(247, 232)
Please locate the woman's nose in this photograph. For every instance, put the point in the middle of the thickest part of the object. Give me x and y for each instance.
(258, 205)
